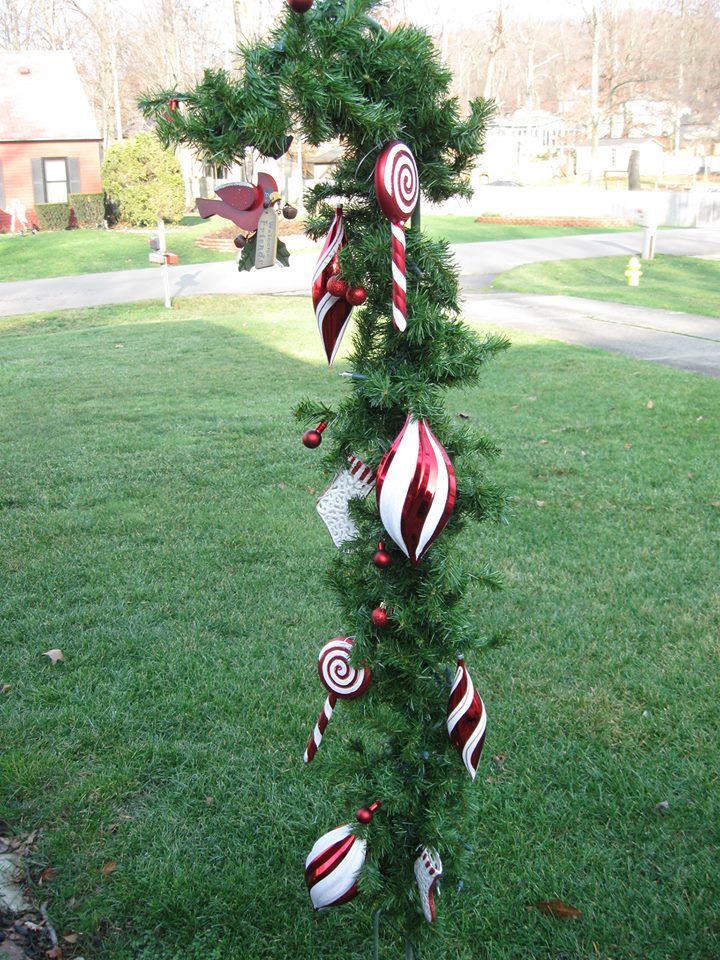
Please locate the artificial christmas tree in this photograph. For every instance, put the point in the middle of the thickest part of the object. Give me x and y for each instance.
(329, 72)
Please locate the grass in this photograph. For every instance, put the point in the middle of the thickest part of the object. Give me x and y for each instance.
(671, 283)
(159, 527)
(95, 251)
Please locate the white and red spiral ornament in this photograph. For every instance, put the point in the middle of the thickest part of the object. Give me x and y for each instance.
(332, 311)
(397, 188)
(341, 679)
(333, 865)
(416, 489)
(467, 719)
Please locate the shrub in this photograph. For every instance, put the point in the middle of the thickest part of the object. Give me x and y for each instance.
(89, 208)
(143, 181)
(52, 216)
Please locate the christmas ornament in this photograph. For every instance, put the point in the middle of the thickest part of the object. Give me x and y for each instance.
(341, 680)
(382, 558)
(428, 870)
(357, 481)
(289, 211)
(331, 311)
(336, 286)
(334, 863)
(266, 238)
(356, 296)
(397, 188)
(243, 203)
(380, 617)
(467, 719)
(416, 489)
(313, 438)
(240, 241)
(300, 6)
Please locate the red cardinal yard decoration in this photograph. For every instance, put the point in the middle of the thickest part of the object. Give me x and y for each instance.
(243, 203)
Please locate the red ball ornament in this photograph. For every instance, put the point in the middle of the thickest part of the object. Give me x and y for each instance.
(365, 814)
(337, 287)
(380, 617)
(356, 296)
(300, 6)
(382, 558)
(313, 438)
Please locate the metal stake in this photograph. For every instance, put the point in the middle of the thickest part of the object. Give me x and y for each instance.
(376, 935)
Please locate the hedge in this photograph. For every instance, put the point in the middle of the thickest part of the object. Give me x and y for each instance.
(89, 208)
(53, 216)
(143, 181)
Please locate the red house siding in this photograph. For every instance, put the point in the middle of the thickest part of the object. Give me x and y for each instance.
(16, 166)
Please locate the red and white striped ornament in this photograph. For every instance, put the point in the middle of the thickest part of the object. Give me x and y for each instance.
(332, 505)
(428, 870)
(332, 312)
(341, 679)
(334, 863)
(467, 719)
(397, 188)
(416, 488)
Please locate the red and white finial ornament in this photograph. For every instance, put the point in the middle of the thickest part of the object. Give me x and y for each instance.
(334, 863)
(397, 188)
(332, 310)
(467, 719)
(415, 488)
(428, 870)
(342, 681)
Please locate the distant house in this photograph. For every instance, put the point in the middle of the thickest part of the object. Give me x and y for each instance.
(613, 155)
(49, 141)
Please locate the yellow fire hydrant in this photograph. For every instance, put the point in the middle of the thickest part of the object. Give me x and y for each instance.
(633, 272)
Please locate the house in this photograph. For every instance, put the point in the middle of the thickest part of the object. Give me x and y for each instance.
(49, 141)
(613, 155)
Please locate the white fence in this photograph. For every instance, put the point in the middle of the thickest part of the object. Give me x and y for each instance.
(672, 208)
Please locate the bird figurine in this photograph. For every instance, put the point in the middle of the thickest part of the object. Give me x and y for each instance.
(243, 203)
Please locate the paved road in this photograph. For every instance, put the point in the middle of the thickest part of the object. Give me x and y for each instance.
(681, 340)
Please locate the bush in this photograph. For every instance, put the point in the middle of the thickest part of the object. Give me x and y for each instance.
(89, 208)
(143, 181)
(52, 216)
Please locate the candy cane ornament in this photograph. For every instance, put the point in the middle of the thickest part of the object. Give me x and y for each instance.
(397, 188)
(341, 680)
(331, 312)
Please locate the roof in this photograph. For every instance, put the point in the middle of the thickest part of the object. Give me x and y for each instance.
(42, 98)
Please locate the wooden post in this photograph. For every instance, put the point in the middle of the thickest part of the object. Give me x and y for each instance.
(164, 267)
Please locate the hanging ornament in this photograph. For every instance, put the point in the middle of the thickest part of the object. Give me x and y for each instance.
(240, 241)
(334, 864)
(357, 481)
(332, 311)
(356, 296)
(341, 680)
(397, 188)
(313, 438)
(467, 719)
(380, 617)
(289, 211)
(337, 286)
(416, 489)
(300, 6)
(428, 870)
(382, 558)
(242, 203)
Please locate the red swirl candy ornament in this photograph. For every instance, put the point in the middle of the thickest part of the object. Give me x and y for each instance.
(397, 188)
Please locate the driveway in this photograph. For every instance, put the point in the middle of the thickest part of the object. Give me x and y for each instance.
(681, 340)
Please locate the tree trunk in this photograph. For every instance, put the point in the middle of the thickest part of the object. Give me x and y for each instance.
(594, 94)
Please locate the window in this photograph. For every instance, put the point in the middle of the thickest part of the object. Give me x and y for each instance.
(55, 178)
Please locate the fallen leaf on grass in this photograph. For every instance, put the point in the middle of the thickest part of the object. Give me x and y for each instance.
(662, 808)
(49, 873)
(499, 761)
(54, 953)
(6, 688)
(539, 503)
(108, 867)
(71, 937)
(558, 909)
(54, 655)
(699, 419)
(464, 416)
(715, 503)
(544, 441)
(650, 405)
(628, 446)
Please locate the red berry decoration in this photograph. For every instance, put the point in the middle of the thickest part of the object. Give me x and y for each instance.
(356, 296)
(380, 617)
(337, 287)
(300, 6)
(365, 814)
(313, 438)
(382, 558)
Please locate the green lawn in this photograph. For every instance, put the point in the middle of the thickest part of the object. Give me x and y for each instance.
(158, 525)
(95, 251)
(672, 283)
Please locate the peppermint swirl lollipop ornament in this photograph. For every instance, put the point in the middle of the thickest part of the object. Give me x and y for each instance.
(341, 679)
(397, 188)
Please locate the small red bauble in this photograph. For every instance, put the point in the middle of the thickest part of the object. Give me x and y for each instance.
(337, 287)
(356, 296)
(365, 814)
(300, 6)
(380, 617)
(382, 558)
(172, 105)
(313, 438)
